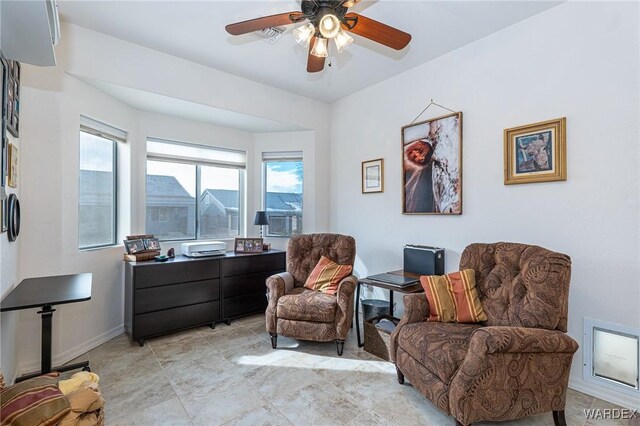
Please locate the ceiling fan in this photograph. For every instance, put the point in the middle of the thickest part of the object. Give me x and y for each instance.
(327, 19)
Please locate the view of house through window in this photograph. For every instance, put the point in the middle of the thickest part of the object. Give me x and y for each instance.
(97, 184)
(193, 192)
(283, 178)
(171, 203)
(219, 202)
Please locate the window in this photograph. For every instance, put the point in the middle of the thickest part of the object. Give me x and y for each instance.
(97, 209)
(193, 192)
(283, 177)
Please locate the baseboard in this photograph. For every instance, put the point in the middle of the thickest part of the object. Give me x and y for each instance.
(68, 355)
(625, 401)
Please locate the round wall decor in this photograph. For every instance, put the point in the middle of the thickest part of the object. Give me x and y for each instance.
(13, 215)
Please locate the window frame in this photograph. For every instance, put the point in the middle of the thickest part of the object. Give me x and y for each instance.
(114, 158)
(280, 157)
(198, 184)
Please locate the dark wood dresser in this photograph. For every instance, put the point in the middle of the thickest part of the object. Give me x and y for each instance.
(189, 292)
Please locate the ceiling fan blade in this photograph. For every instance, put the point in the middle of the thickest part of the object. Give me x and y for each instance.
(314, 63)
(378, 32)
(350, 3)
(261, 23)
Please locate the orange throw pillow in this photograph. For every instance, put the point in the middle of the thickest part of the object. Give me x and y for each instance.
(453, 297)
(326, 276)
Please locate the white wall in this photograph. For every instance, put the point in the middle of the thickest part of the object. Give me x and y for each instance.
(579, 60)
(52, 101)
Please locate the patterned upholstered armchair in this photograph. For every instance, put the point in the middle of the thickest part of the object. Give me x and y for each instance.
(297, 312)
(514, 364)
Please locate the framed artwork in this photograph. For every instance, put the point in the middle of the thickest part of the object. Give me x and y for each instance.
(12, 94)
(151, 243)
(536, 152)
(432, 166)
(4, 165)
(12, 164)
(373, 176)
(3, 139)
(248, 245)
(4, 214)
(134, 246)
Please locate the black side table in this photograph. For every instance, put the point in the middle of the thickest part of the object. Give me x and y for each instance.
(414, 288)
(44, 293)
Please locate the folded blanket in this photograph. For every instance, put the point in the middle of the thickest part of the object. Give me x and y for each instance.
(69, 385)
(87, 406)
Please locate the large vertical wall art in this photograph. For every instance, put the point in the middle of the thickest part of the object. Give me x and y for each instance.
(432, 166)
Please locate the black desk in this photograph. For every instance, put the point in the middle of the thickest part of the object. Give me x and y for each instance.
(414, 288)
(44, 293)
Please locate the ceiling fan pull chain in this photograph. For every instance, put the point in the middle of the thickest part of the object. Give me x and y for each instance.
(427, 107)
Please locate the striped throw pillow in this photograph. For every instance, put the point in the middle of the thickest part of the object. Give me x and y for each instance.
(453, 297)
(326, 276)
(36, 401)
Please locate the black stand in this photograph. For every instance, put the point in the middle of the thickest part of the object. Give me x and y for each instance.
(45, 353)
(44, 293)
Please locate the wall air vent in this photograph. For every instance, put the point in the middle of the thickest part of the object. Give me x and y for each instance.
(271, 35)
(612, 356)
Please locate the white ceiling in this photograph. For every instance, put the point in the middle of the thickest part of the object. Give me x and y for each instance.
(194, 30)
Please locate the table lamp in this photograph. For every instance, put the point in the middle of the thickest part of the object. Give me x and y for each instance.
(261, 220)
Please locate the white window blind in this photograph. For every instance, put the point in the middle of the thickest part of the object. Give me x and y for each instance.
(159, 149)
(103, 130)
(282, 156)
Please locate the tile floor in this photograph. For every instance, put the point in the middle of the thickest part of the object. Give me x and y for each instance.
(231, 376)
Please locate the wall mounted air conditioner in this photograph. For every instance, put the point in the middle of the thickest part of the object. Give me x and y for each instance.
(29, 30)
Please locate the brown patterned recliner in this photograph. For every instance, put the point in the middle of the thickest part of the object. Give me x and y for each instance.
(514, 364)
(297, 312)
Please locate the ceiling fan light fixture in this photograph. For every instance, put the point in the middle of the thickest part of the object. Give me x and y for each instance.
(342, 40)
(320, 48)
(303, 34)
(329, 25)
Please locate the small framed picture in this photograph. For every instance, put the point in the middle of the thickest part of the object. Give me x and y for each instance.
(373, 176)
(4, 219)
(134, 246)
(12, 165)
(536, 152)
(151, 243)
(248, 245)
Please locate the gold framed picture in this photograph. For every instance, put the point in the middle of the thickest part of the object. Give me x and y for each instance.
(536, 152)
(12, 164)
(373, 176)
(248, 245)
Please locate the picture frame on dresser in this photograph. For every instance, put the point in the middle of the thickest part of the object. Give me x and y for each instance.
(248, 245)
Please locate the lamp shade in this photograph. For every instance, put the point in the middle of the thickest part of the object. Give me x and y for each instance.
(261, 218)
(320, 48)
(329, 25)
(342, 40)
(303, 34)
